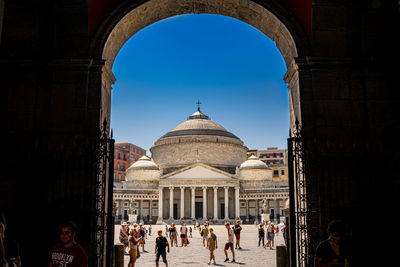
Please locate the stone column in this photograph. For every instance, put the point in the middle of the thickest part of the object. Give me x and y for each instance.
(171, 202)
(247, 209)
(237, 208)
(141, 210)
(256, 209)
(160, 205)
(204, 203)
(193, 203)
(215, 203)
(182, 202)
(276, 209)
(226, 203)
(150, 208)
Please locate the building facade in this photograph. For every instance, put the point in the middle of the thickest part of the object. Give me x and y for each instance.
(125, 154)
(199, 171)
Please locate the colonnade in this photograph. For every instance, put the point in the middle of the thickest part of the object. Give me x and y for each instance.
(193, 201)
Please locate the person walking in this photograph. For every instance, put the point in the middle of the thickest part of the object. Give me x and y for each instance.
(142, 234)
(183, 231)
(166, 230)
(67, 252)
(204, 233)
(229, 243)
(261, 235)
(273, 230)
(133, 247)
(161, 245)
(237, 228)
(172, 235)
(190, 231)
(269, 235)
(123, 236)
(331, 252)
(212, 245)
(150, 230)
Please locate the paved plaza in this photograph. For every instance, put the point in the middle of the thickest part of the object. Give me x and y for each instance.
(196, 255)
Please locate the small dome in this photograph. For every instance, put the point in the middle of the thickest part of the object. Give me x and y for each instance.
(253, 163)
(144, 163)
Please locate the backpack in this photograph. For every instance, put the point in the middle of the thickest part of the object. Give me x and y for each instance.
(201, 233)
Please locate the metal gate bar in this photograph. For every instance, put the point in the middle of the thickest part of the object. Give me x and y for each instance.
(300, 201)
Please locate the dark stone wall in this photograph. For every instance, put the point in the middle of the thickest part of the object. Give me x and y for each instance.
(51, 104)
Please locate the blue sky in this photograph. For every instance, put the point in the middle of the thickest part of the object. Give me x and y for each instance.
(231, 67)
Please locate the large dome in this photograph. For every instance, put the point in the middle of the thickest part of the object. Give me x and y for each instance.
(198, 139)
(254, 169)
(143, 169)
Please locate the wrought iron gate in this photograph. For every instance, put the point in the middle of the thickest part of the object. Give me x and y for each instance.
(300, 201)
(102, 208)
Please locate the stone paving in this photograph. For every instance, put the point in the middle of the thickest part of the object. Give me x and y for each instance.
(196, 255)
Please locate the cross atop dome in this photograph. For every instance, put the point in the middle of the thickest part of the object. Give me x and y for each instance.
(198, 105)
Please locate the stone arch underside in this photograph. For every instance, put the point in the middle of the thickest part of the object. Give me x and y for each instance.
(141, 16)
(156, 10)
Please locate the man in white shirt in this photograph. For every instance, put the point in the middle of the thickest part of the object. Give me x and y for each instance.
(229, 243)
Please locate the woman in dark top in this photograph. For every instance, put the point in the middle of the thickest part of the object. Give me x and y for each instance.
(330, 252)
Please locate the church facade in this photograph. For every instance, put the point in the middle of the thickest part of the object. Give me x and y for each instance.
(199, 171)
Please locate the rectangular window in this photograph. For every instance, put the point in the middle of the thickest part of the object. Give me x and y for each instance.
(261, 155)
(282, 172)
(124, 156)
(119, 177)
(281, 160)
(119, 155)
(274, 155)
(267, 155)
(276, 173)
(281, 154)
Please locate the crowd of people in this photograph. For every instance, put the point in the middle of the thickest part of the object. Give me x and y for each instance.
(330, 252)
(134, 238)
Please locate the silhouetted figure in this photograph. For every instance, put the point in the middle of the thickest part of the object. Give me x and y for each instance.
(331, 252)
(9, 249)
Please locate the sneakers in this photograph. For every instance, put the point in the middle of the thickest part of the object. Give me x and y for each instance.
(233, 260)
(226, 260)
(215, 263)
(209, 262)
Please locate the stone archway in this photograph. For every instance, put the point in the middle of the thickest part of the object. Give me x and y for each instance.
(271, 18)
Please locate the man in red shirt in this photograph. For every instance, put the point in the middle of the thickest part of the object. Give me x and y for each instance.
(67, 253)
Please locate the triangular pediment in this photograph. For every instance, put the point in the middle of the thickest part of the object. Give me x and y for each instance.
(198, 171)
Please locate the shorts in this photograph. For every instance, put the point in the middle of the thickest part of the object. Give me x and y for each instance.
(228, 245)
(205, 237)
(133, 252)
(173, 234)
(183, 235)
(237, 236)
(269, 236)
(163, 254)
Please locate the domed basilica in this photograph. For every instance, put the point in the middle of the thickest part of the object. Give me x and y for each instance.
(200, 171)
